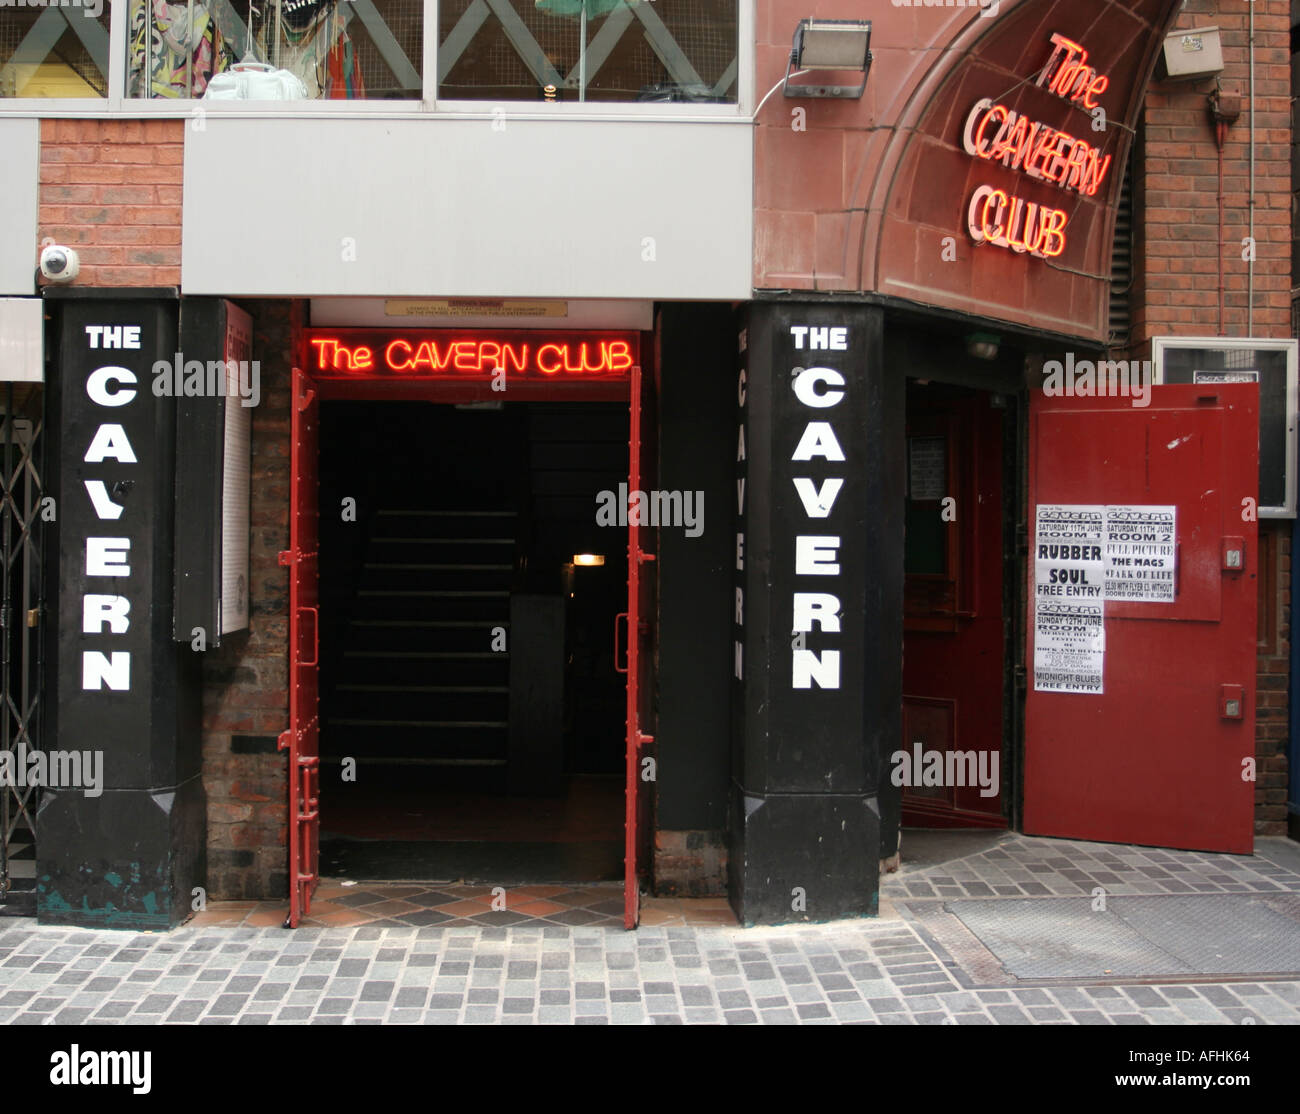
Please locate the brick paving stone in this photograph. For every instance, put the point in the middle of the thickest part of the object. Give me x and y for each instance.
(1219, 995)
(1145, 996)
(858, 971)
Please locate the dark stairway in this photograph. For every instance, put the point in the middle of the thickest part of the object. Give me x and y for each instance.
(420, 682)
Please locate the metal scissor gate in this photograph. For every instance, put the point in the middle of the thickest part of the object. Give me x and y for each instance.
(22, 599)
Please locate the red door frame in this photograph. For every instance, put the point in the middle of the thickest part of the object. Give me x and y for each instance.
(639, 662)
(301, 739)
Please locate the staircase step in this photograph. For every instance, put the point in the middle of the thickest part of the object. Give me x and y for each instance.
(397, 581)
(424, 667)
(432, 724)
(447, 635)
(485, 744)
(427, 705)
(436, 551)
(475, 566)
(441, 541)
(461, 525)
(477, 605)
(423, 688)
(414, 760)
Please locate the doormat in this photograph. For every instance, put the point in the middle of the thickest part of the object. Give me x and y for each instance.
(366, 860)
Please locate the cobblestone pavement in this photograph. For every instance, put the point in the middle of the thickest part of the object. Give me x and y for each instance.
(897, 969)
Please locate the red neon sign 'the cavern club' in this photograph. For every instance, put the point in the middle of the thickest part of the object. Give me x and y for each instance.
(466, 356)
(999, 134)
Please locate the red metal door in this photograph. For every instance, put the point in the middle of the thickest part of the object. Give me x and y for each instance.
(640, 660)
(1158, 757)
(302, 740)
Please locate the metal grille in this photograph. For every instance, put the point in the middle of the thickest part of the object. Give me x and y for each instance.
(634, 50)
(44, 53)
(1121, 264)
(21, 609)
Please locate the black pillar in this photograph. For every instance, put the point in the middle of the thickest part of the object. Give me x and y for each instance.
(128, 852)
(817, 615)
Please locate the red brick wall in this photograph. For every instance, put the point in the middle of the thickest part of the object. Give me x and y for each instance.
(690, 863)
(245, 690)
(112, 190)
(1176, 187)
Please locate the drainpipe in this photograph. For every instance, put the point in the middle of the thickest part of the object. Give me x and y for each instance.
(1250, 263)
(1225, 108)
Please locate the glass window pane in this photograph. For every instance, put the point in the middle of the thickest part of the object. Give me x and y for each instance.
(54, 51)
(276, 49)
(588, 50)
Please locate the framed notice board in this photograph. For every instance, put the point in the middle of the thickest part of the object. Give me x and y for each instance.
(1271, 364)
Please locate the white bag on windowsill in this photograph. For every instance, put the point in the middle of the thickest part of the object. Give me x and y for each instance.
(255, 81)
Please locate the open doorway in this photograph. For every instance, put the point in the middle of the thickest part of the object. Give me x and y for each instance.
(472, 719)
(958, 574)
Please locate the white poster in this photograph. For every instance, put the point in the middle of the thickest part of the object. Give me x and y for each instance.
(926, 468)
(1140, 554)
(1069, 598)
(1225, 376)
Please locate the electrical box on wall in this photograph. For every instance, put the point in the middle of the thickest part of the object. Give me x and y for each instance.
(1192, 54)
(1271, 364)
(22, 347)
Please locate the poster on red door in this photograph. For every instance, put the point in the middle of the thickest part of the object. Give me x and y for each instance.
(1140, 554)
(1069, 598)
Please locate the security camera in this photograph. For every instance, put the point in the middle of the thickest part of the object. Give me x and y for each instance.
(59, 264)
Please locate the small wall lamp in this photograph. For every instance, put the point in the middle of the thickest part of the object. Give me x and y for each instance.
(983, 346)
(830, 44)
